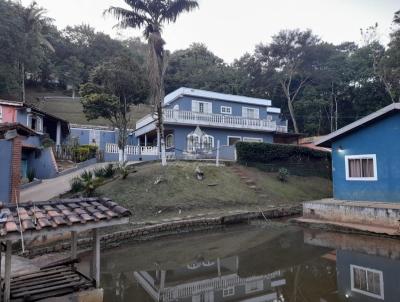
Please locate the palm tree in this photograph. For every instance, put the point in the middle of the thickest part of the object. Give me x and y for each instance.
(150, 15)
(33, 21)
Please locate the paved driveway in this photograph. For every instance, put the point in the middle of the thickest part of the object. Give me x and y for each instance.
(50, 188)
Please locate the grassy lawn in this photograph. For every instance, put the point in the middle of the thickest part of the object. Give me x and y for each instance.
(179, 193)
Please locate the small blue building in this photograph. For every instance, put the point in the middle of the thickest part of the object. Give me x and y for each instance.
(365, 157)
(196, 120)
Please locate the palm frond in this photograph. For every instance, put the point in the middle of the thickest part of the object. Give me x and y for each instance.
(176, 7)
(127, 18)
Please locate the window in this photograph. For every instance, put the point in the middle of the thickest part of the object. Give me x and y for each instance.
(193, 142)
(193, 266)
(250, 112)
(226, 110)
(169, 141)
(254, 286)
(367, 281)
(232, 140)
(252, 140)
(35, 122)
(207, 143)
(1, 114)
(361, 167)
(201, 107)
(227, 292)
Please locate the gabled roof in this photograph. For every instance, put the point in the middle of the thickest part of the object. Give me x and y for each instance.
(327, 140)
(214, 95)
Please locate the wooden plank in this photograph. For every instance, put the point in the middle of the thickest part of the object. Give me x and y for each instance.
(7, 272)
(40, 274)
(34, 287)
(42, 280)
(63, 262)
(48, 289)
(74, 244)
(61, 292)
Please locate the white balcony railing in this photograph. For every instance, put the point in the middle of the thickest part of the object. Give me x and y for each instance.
(218, 120)
(132, 150)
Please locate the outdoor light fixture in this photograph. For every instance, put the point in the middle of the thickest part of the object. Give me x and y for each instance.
(340, 149)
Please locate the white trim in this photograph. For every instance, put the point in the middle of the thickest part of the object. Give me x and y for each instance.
(256, 112)
(356, 124)
(274, 110)
(361, 156)
(207, 106)
(173, 141)
(228, 109)
(228, 291)
(39, 122)
(1, 114)
(215, 96)
(381, 285)
(253, 139)
(232, 136)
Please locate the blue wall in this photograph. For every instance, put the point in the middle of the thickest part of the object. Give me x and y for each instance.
(381, 138)
(43, 164)
(389, 267)
(185, 104)
(5, 169)
(106, 137)
(181, 133)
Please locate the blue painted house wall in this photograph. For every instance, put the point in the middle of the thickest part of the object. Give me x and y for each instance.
(390, 269)
(381, 138)
(5, 169)
(185, 104)
(106, 137)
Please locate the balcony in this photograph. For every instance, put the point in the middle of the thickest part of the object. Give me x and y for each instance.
(172, 116)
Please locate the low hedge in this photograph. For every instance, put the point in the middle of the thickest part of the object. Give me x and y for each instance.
(270, 153)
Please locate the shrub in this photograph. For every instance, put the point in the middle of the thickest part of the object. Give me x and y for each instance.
(31, 175)
(267, 153)
(123, 170)
(99, 172)
(76, 185)
(84, 152)
(109, 171)
(283, 174)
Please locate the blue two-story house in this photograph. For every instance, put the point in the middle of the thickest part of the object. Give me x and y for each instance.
(197, 121)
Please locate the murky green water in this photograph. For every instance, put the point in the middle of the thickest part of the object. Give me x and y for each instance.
(255, 264)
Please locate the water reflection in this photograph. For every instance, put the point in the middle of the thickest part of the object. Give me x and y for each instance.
(255, 265)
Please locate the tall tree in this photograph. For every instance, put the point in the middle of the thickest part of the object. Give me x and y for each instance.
(33, 42)
(114, 86)
(150, 15)
(289, 55)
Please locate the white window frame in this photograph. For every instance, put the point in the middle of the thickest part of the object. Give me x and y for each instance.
(361, 156)
(226, 110)
(256, 112)
(166, 141)
(193, 147)
(228, 292)
(254, 286)
(203, 142)
(232, 136)
(1, 114)
(196, 107)
(253, 139)
(381, 296)
(39, 121)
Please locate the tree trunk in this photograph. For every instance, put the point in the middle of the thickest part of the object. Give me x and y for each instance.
(156, 79)
(22, 71)
(292, 115)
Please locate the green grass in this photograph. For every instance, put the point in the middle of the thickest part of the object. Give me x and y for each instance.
(181, 194)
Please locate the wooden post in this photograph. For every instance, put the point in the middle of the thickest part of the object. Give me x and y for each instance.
(74, 245)
(7, 272)
(95, 269)
(217, 161)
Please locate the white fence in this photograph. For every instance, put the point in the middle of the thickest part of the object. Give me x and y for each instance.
(132, 150)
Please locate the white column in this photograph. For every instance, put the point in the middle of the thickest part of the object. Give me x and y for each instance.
(217, 160)
(58, 137)
(95, 267)
(145, 140)
(158, 140)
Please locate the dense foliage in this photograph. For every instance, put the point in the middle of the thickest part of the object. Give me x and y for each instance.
(319, 86)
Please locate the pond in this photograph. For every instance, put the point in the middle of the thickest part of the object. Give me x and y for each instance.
(271, 262)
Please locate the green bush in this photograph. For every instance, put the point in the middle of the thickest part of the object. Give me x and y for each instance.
(283, 174)
(76, 185)
(267, 153)
(84, 152)
(109, 171)
(124, 170)
(99, 172)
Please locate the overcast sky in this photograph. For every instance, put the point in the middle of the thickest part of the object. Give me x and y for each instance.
(230, 28)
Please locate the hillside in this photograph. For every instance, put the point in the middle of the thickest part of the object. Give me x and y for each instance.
(180, 193)
(71, 110)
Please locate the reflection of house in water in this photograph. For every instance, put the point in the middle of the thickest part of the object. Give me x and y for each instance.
(367, 270)
(209, 281)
